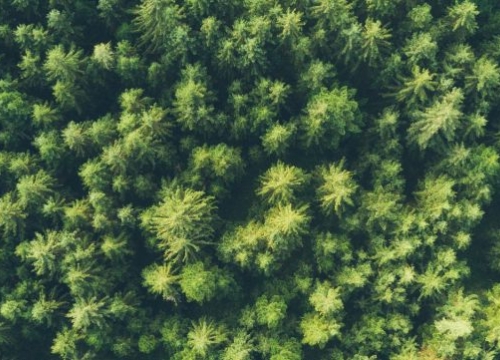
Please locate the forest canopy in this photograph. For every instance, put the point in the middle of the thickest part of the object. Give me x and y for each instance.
(249, 179)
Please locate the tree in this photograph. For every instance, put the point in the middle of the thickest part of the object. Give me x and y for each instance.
(318, 330)
(337, 188)
(75, 137)
(325, 299)
(154, 18)
(182, 222)
(420, 16)
(34, 189)
(32, 38)
(204, 335)
(463, 16)
(266, 244)
(202, 283)
(192, 100)
(291, 24)
(271, 311)
(280, 183)
(12, 214)
(4, 334)
(104, 55)
(330, 116)
(485, 77)
(421, 48)
(43, 253)
(115, 248)
(277, 139)
(440, 118)
(284, 226)
(88, 312)
(14, 116)
(215, 166)
(64, 66)
(492, 315)
(94, 175)
(241, 348)
(435, 197)
(65, 344)
(334, 13)
(49, 146)
(161, 280)
(43, 310)
(416, 88)
(30, 66)
(375, 41)
(44, 115)
(245, 47)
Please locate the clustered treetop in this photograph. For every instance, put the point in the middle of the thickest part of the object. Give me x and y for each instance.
(245, 180)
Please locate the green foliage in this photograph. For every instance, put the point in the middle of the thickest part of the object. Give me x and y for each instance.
(241, 348)
(192, 101)
(375, 40)
(251, 179)
(330, 115)
(415, 89)
(337, 188)
(270, 312)
(318, 330)
(63, 66)
(182, 222)
(441, 118)
(204, 335)
(201, 283)
(280, 182)
(160, 280)
(33, 189)
(87, 312)
(326, 299)
(463, 16)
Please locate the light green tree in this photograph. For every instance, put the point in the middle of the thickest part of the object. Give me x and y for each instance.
(325, 299)
(290, 24)
(463, 16)
(421, 48)
(280, 183)
(12, 214)
(271, 311)
(375, 41)
(34, 189)
(205, 335)
(43, 253)
(88, 312)
(202, 283)
(192, 104)
(317, 330)
(161, 280)
(284, 227)
(103, 55)
(485, 77)
(337, 188)
(241, 348)
(156, 20)
(278, 138)
(65, 344)
(416, 88)
(330, 116)
(441, 118)
(64, 66)
(435, 197)
(182, 222)
(334, 13)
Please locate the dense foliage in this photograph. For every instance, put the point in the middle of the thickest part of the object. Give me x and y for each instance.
(249, 179)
